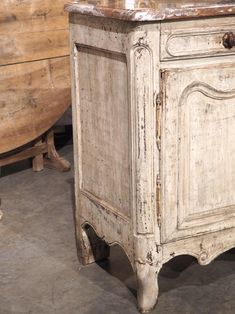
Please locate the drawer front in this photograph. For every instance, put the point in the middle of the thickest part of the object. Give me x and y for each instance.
(194, 39)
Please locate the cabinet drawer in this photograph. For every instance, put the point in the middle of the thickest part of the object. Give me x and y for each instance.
(193, 39)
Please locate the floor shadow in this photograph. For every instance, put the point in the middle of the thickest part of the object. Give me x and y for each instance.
(119, 266)
(181, 271)
(184, 271)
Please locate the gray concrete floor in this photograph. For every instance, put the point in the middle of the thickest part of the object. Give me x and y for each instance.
(40, 274)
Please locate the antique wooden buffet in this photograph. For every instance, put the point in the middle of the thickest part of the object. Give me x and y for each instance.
(154, 130)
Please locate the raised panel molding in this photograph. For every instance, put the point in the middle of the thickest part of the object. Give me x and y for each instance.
(220, 213)
(206, 90)
(190, 40)
(177, 41)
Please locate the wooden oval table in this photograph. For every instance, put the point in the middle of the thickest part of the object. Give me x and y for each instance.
(34, 79)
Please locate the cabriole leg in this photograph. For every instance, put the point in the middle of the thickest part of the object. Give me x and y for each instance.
(147, 280)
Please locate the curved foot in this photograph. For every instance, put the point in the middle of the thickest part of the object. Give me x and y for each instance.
(53, 159)
(57, 163)
(147, 294)
(90, 247)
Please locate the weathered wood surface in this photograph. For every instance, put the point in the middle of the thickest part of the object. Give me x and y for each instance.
(101, 136)
(53, 160)
(188, 39)
(155, 159)
(116, 156)
(33, 96)
(36, 151)
(199, 166)
(34, 69)
(148, 10)
(32, 30)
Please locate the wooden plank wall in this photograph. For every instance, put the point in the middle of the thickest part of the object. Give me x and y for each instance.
(34, 69)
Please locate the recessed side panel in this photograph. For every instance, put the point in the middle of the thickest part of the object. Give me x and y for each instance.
(207, 151)
(104, 116)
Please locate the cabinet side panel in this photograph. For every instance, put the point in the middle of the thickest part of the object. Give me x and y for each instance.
(104, 118)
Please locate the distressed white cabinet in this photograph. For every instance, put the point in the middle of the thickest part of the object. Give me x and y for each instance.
(154, 130)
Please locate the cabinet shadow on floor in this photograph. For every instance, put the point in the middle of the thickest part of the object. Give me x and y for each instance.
(179, 272)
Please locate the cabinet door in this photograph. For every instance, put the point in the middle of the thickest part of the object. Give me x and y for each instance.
(198, 151)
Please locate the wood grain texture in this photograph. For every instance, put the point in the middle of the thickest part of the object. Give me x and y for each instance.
(33, 96)
(32, 30)
(100, 136)
(36, 151)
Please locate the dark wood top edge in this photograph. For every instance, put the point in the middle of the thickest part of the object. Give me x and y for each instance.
(150, 14)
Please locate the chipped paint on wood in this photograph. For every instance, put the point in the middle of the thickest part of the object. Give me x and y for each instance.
(167, 185)
(143, 108)
(189, 40)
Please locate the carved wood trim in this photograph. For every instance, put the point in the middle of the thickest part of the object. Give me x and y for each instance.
(206, 50)
(205, 248)
(207, 90)
(107, 239)
(142, 104)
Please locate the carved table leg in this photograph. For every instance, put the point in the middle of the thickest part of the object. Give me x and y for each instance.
(90, 247)
(147, 279)
(53, 160)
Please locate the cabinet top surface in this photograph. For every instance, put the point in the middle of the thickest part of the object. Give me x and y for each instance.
(152, 10)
